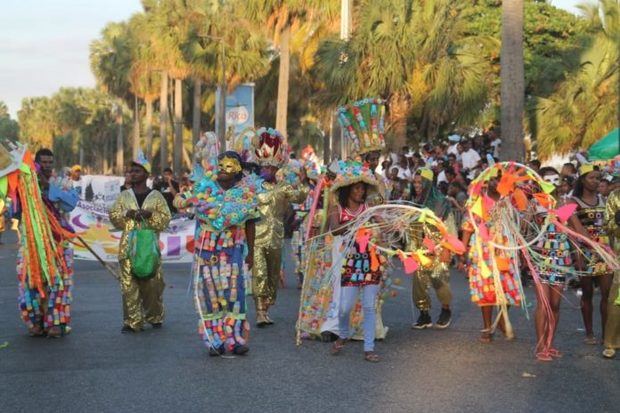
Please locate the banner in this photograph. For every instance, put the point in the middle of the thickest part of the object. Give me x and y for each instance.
(90, 220)
(239, 109)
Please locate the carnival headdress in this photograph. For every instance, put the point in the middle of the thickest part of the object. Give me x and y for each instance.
(141, 160)
(243, 144)
(270, 148)
(351, 172)
(11, 158)
(362, 123)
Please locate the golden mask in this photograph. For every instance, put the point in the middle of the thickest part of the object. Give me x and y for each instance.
(229, 165)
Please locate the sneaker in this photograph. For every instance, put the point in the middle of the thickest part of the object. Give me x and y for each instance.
(216, 351)
(444, 318)
(157, 326)
(126, 329)
(424, 321)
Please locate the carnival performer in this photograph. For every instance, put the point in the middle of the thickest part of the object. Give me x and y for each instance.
(361, 267)
(45, 259)
(612, 328)
(226, 210)
(363, 125)
(555, 248)
(140, 208)
(487, 290)
(589, 221)
(271, 153)
(438, 274)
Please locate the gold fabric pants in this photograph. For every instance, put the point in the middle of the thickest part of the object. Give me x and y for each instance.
(142, 299)
(266, 273)
(439, 278)
(612, 326)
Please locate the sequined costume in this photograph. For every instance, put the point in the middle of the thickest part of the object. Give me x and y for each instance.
(612, 327)
(273, 201)
(142, 298)
(219, 270)
(437, 275)
(592, 219)
(49, 306)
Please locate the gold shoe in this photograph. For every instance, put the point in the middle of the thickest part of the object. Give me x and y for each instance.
(261, 318)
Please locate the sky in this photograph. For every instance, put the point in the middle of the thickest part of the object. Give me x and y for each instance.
(44, 43)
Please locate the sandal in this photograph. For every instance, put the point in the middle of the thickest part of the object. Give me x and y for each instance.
(35, 331)
(609, 353)
(371, 356)
(486, 336)
(544, 356)
(554, 352)
(337, 346)
(590, 340)
(54, 332)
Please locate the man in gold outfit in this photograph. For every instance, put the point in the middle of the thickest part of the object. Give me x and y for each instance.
(142, 298)
(273, 201)
(611, 340)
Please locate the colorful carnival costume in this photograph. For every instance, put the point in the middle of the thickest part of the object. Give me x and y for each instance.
(360, 255)
(45, 259)
(437, 274)
(221, 278)
(505, 200)
(273, 201)
(612, 327)
(142, 298)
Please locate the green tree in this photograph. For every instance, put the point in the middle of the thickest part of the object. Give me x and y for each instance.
(585, 106)
(9, 128)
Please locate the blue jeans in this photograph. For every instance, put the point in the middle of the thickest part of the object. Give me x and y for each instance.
(348, 296)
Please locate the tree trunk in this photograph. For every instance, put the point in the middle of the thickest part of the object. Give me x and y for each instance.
(135, 146)
(178, 125)
(283, 81)
(512, 80)
(120, 161)
(149, 129)
(196, 110)
(104, 164)
(399, 109)
(163, 119)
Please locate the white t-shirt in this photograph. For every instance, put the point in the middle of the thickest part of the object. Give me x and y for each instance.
(441, 177)
(453, 150)
(470, 159)
(495, 145)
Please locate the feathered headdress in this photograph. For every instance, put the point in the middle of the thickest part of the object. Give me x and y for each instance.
(362, 122)
(141, 160)
(270, 148)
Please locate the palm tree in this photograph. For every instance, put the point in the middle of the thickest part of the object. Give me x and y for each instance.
(417, 56)
(282, 18)
(512, 80)
(585, 106)
(110, 61)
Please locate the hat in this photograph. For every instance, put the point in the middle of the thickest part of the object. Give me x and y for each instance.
(351, 172)
(454, 138)
(76, 168)
(586, 168)
(426, 173)
(270, 148)
(362, 123)
(142, 161)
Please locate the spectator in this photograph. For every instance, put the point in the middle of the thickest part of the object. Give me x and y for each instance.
(470, 159)
(568, 170)
(535, 165)
(495, 144)
(77, 180)
(453, 148)
(168, 187)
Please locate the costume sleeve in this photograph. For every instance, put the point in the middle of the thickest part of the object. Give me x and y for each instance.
(161, 214)
(295, 195)
(117, 213)
(611, 209)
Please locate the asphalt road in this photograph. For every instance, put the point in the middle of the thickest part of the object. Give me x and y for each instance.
(96, 369)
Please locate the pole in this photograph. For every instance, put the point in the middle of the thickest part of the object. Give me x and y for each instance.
(221, 115)
(346, 21)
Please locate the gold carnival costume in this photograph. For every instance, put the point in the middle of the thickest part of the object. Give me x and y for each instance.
(139, 294)
(612, 327)
(273, 202)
